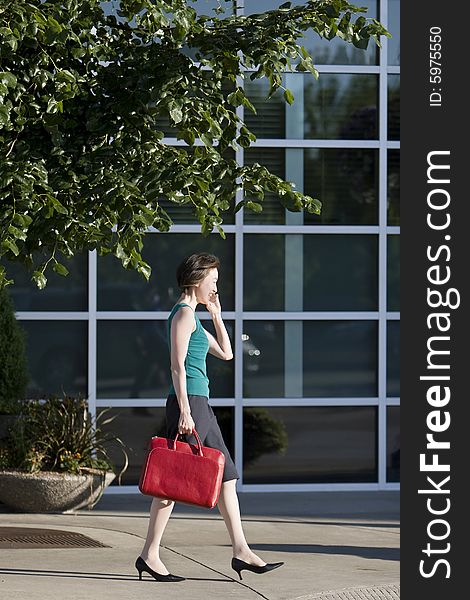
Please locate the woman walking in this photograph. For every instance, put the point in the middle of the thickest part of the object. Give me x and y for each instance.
(187, 407)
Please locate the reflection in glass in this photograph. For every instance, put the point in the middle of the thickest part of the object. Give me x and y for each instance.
(263, 253)
(393, 272)
(393, 358)
(133, 361)
(337, 106)
(393, 187)
(263, 359)
(122, 289)
(340, 358)
(393, 114)
(273, 212)
(341, 107)
(135, 426)
(270, 118)
(323, 51)
(394, 28)
(346, 181)
(340, 272)
(61, 293)
(57, 357)
(393, 443)
(302, 444)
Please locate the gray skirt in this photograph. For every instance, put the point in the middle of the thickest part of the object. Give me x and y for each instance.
(206, 425)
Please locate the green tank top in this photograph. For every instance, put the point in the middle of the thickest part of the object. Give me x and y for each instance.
(197, 381)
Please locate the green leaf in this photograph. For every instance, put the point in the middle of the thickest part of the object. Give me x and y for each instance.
(8, 244)
(289, 96)
(61, 269)
(8, 79)
(40, 279)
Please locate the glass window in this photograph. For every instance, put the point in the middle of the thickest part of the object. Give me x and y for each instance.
(280, 162)
(340, 272)
(300, 444)
(346, 182)
(333, 358)
(133, 361)
(336, 106)
(123, 289)
(340, 358)
(61, 293)
(393, 443)
(393, 272)
(135, 426)
(270, 118)
(57, 357)
(263, 253)
(263, 359)
(342, 107)
(323, 51)
(393, 187)
(393, 358)
(394, 29)
(393, 107)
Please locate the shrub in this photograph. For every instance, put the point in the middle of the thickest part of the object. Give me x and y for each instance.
(59, 435)
(13, 365)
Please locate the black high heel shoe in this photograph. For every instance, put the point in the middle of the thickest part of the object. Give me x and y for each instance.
(141, 565)
(238, 565)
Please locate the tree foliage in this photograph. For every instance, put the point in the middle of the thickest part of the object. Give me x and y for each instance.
(83, 95)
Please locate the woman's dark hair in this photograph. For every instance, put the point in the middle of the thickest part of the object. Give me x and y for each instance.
(194, 268)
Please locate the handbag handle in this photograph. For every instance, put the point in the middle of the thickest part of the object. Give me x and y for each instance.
(196, 435)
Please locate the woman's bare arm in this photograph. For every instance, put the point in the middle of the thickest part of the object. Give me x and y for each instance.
(181, 328)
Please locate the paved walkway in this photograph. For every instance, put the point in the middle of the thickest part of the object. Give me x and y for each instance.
(335, 545)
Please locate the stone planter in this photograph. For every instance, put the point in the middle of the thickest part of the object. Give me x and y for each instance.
(47, 491)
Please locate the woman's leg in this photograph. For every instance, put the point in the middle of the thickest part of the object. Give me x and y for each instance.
(230, 510)
(160, 512)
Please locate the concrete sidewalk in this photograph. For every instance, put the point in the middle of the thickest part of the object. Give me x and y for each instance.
(335, 545)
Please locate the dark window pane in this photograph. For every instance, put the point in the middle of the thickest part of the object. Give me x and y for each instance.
(273, 212)
(310, 444)
(221, 373)
(340, 272)
(57, 357)
(336, 106)
(393, 443)
(136, 426)
(122, 289)
(134, 362)
(323, 51)
(270, 118)
(393, 107)
(393, 272)
(263, 253)
(61, 293)
(263, 359)
(393, 187)
(341, 107)
(132, 359)
(393, 358)
(340, 358)
(346, 181)
(394, 28)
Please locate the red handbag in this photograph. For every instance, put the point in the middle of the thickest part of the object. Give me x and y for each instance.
(184, 472)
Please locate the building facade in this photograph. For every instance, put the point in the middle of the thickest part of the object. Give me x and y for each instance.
(311, 400)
